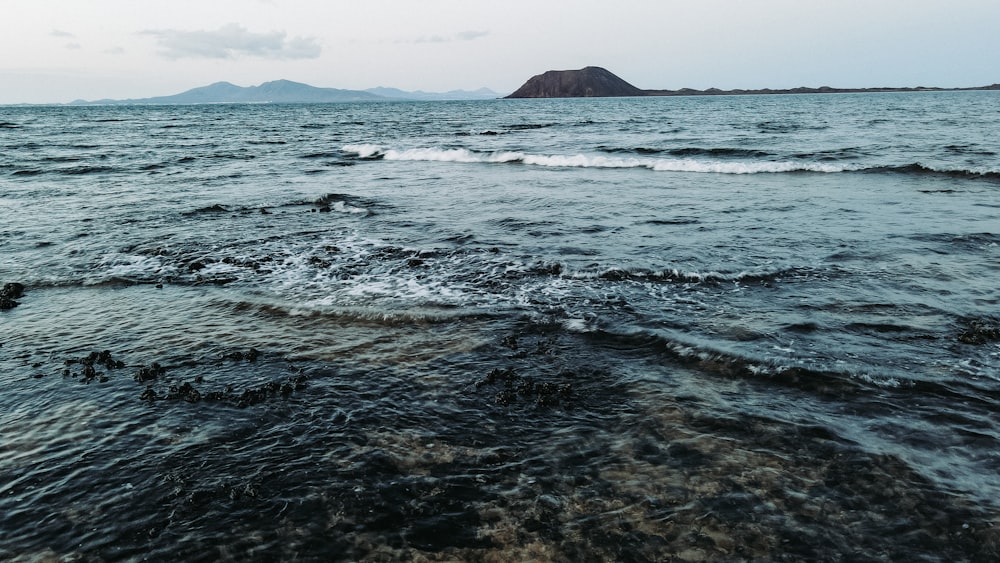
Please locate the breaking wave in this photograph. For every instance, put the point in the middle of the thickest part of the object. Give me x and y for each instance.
(718, 161)
(463, 155)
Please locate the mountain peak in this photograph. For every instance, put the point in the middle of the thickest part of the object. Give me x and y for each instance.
(284, 83)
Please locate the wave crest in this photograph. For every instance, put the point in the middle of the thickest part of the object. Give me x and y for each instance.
(918, 169)
(464, 155)
(721, 161)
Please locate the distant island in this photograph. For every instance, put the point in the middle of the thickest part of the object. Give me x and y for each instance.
(596, 82)
(288, 92)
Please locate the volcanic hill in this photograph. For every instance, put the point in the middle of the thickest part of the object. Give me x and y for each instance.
(589, 82)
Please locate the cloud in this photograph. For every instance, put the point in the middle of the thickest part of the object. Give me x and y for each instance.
(460, 36)
(115, 51)
(471, 35)
(232, 41)
(72, 44)
(430, 39)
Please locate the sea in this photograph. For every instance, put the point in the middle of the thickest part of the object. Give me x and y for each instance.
(718, 328)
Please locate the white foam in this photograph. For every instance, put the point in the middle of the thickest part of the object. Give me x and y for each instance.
(342, 207)
(574, 324)
(880, 381)
(131, 265)
(399, 287)
(433, 155)
(754, 167)
(364, 150)
(463, 155)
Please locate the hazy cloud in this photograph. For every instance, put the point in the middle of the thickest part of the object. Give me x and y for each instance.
(73, 46)
(115, 51)
(471, 35)
(430, 39)
(461, 36)
(61, 33)
(231, 41)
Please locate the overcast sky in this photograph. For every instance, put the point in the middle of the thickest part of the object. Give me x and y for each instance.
(61, 50)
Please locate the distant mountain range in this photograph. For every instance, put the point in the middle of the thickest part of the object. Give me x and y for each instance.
(596, 82)
(288, 92)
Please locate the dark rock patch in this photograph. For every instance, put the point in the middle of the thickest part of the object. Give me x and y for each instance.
(516, 388)
(89, 365)
(196, 391)
(509, 342)
(9, 294)
(319, 262)
(210, 209)
(149, 373)
(98, 366)
(186, 391)
(255, 265)
(250, 355)
(980, 331)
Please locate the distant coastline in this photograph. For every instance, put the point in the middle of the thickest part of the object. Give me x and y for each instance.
(588, 82)
(288, 92)
(597, 82)
(808, 90)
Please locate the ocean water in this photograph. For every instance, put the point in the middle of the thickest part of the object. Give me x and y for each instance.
(708, 328)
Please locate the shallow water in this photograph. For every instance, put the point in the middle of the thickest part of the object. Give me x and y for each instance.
(625, 329)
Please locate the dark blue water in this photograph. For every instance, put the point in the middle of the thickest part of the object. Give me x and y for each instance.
(723, 328)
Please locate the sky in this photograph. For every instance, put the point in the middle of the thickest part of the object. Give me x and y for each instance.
(56, 51)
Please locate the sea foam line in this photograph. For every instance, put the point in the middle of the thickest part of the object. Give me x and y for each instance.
(462, 155)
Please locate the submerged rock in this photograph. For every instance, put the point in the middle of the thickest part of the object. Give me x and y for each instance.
(980, 331)
(149, 373)
(519, 388)
(90, 364)
(186, 392)
(9, 293)
(250, 355)
(13, 290)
